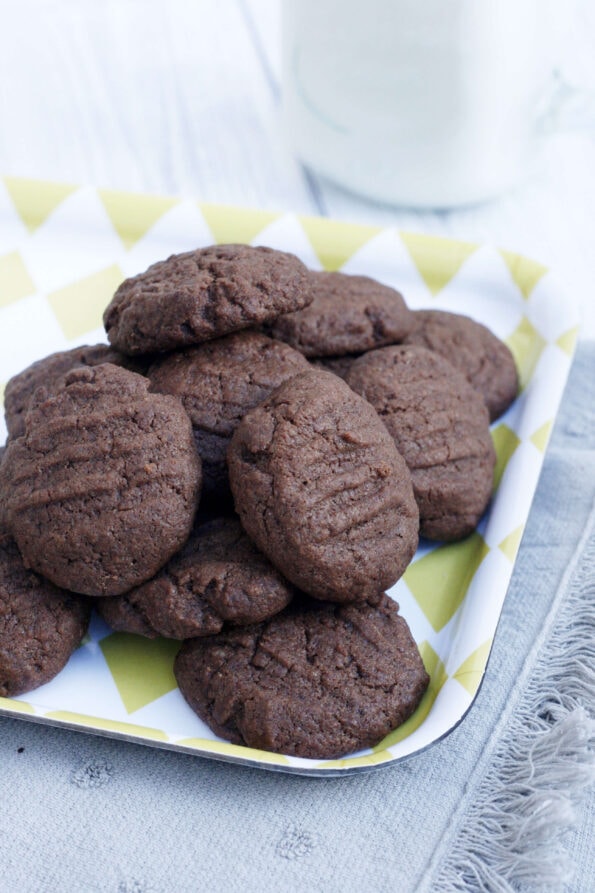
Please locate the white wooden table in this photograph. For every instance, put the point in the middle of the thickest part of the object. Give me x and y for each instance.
(185, 98)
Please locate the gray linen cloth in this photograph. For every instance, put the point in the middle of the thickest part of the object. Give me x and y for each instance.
(501, 804)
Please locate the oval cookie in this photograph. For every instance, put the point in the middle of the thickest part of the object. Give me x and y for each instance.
(440, 425)
(321, 489)
(348, 314)
(103, 486)
(193, 297)
(318, 680)
(484, 360)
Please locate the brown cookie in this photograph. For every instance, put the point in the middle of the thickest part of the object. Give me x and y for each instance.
(218, 578)
(124, 615)
(484, 360)
(103, 486)
(322, 491)
(3, 518)
(193, 297)
(40, 625)
(319, 680)
(49, 373)
(337, 365)
(440, 425)
(218, 382)
(349, 314)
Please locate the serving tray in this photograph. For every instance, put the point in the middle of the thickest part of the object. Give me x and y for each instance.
(63, 251)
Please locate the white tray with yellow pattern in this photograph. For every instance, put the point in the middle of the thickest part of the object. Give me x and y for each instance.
(63, 251)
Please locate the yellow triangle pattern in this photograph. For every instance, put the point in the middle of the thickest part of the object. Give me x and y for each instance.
(524, 271)
(79, 307)
(108, 725)
(230, 225)
(470, 672)
(16, 706)
(370, 759)
(437, 259)
(540, 438)
(35, 200)
(133, 214)
(334, 241)
(234, 750)
(505, 443)
(510, 544)
(526, 345)
(439, 581)
(141, 668)
(15, 281)
(567, 341)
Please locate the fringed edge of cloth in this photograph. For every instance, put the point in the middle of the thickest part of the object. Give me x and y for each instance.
(511, 837)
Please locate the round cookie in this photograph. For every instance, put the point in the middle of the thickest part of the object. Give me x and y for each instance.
(322, 491)
(319, 680)
(440, 425)
(193, 297)
(40, 625)
(103, 486)
(218, 382)
(484, 360)
(349, 314)
(219, 577)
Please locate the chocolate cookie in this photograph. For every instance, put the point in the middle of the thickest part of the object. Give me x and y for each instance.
(322, 491)
(349, 314)
(484, 360)
(218, 382)
(49, 373)
(124, 615)
(319, 680)
(103, 486)
(3, 518)
(440, 425)
(337, 365)
(203, 294)
(219, 577)
(40, 625)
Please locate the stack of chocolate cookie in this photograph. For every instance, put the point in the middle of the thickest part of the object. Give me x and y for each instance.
(203, 478)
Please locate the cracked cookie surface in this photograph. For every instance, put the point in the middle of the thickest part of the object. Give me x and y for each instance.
(102, 488)
(440, 425)
(321, 489)
(318, 680)
(193, 297)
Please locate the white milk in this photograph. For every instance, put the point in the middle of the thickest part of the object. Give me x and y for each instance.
(430, 103)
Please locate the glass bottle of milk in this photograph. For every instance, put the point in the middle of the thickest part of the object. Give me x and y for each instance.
(428, 103)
